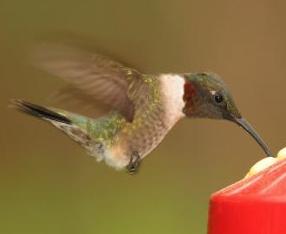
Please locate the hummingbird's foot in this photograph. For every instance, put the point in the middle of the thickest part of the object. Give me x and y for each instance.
(134, 163)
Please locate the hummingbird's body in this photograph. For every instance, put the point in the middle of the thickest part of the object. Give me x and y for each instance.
(144, 107)
(114, 139)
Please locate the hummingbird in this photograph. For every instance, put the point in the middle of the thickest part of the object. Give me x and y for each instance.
(143, 108)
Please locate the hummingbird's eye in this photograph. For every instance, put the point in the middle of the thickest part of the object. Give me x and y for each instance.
(218, 98)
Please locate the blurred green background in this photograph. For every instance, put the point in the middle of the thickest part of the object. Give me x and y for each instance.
(49, 185)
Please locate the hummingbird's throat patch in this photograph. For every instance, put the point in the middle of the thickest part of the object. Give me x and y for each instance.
(189, 93)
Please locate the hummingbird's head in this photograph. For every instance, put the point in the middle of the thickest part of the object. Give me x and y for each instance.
(206, 96)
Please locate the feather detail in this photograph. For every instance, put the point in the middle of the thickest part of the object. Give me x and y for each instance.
(39, 111)
(96, 76)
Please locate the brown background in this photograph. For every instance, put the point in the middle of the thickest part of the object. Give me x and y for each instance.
(49, 185)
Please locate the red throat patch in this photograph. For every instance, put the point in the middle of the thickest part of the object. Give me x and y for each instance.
(189, 92)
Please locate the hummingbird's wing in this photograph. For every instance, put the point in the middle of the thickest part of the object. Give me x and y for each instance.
(93, 77)
(72, 98)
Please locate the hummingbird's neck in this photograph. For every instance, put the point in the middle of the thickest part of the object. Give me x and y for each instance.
(172, 89)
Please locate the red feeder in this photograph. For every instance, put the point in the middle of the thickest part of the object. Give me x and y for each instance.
(256, 205)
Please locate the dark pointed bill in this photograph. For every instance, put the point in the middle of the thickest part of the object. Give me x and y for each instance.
(247, 127)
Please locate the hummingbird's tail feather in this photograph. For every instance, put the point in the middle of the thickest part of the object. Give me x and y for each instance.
(60, 121)
(96, 136)
(39, 111)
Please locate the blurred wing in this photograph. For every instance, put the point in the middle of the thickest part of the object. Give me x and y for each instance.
(93, 76)
(73, 99)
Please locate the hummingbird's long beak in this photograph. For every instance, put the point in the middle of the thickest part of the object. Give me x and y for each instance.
(247, 127)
